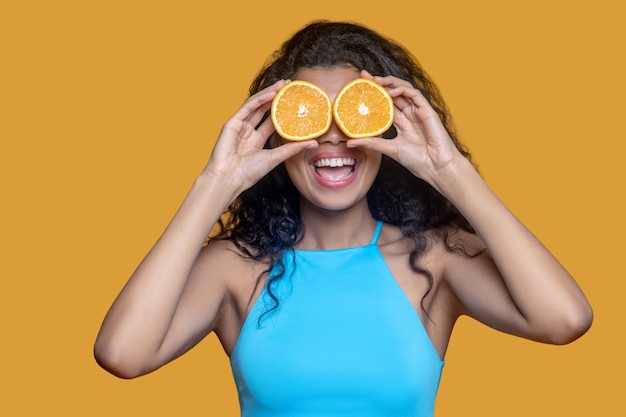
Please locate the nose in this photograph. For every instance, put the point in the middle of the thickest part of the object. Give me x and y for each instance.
(334, 135)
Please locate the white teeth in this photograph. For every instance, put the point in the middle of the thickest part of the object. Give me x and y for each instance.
(334, 162)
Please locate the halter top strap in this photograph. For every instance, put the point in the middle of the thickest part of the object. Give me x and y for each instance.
(379, 227)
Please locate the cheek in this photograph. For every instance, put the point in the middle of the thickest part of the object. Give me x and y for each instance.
(294, 170)
(376, 161)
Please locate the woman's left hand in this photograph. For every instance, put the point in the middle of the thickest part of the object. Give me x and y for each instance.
(422, 145)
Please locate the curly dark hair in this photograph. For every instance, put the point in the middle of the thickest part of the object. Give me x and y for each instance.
(264, 221)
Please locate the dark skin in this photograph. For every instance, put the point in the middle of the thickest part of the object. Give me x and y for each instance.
(181, 291)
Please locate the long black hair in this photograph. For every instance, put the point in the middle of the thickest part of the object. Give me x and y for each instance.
(264, 221)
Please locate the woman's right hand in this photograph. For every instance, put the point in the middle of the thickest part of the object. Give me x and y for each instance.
(176, 294)
(238, 158)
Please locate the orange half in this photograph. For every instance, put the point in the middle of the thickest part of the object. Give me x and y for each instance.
(301, 110)
(363, 108)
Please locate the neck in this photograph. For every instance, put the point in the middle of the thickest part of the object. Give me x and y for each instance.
(326, 229)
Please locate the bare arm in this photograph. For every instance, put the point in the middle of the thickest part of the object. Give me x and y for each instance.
(133, 339)
(517, 286)
(157, 316)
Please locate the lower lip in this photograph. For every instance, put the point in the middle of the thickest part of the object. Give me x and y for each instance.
(335, 184)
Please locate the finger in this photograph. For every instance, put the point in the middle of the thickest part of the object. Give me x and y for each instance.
(415, 107)
(386, 147)
(400, 102)
(256, 105)
(412, 95)
(390, 81)
(266, 129)
(399, 86)
(396, 87)
(366, 74)
(287, 150)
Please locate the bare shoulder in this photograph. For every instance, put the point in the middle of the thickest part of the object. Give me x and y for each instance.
(436, 248)
(461, 243)
(223, 253)
(460, 256)
(219, 260)
(236, 271)
(463, 254)
(239, 276)
(424, 280)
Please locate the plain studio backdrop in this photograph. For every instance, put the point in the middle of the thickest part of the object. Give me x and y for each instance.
(108, 111)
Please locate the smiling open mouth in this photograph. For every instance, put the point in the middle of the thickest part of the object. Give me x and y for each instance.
(335, 169)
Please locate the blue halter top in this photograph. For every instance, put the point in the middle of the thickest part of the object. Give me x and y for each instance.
(344, 341)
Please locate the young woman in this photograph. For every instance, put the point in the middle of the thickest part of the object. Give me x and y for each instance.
(335, 289)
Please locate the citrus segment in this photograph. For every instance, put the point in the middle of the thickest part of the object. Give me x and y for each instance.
(363, 108)
(301, 110)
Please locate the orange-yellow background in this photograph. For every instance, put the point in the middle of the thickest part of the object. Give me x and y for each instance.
(110, 108)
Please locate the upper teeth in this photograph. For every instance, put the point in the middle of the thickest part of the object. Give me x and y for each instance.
(334, 162)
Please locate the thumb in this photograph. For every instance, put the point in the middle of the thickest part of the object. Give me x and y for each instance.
(287, 150)
(384, 146)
